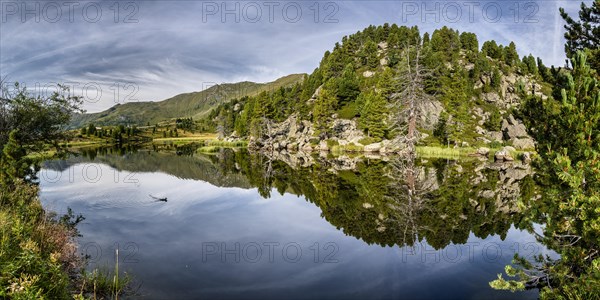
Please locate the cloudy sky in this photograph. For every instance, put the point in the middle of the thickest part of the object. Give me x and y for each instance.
(111, 51)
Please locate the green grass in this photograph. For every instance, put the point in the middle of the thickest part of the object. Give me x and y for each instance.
(208, 149)
(439, 152)
(368, 140)
(104, 284)
(346, 148)
(225, 144)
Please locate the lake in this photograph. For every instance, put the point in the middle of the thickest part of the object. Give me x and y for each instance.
(235, 225)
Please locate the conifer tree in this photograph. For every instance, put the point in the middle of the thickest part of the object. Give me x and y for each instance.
(347, 85)
(369, 54)
(373, 115)
(386, 84)
(584, 34)
(323, 109)
(567, 131)
(511, 56)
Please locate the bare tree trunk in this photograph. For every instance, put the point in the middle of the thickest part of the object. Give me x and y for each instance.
(412, 81)
(408, 192)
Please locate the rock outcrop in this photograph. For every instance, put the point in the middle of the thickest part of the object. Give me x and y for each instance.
(515, 132)
(299, 135)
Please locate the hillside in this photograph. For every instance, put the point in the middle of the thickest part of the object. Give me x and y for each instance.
(195, 105)
(467, 95)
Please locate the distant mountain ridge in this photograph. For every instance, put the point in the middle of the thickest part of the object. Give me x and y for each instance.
(195, 105)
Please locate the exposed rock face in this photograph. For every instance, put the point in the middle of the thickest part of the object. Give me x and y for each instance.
(346, 131)
(429, 114)
(514, 131)
(513, 128)
(526, 157)
(491, 97)
(504, 154)
(294, 134)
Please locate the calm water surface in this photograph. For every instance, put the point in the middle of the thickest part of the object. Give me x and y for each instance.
(237, 226)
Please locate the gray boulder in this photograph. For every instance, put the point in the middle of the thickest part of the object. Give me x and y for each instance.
(504, 154)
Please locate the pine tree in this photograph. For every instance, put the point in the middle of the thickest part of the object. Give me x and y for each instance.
(511, 56)
(469, 42)
(323, 109)
(529, 62)
(386, 84)
(567, 131)
(372, 118)
(584, 34)
(347, 85)
(491, 49)
(369, 54)
(496, 79)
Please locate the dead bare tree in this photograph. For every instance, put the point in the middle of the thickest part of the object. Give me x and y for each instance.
(407, 190)
(405, 104)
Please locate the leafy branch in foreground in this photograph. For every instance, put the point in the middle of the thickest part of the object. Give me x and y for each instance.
(568, 132)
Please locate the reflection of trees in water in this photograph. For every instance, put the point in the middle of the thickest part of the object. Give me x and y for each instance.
(399, 202)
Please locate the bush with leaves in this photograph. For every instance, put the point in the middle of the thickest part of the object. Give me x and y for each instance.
(568, 135)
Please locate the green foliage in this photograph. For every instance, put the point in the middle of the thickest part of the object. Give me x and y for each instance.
(584, 34)
(441, 129)
(446, 42)
(493, 50)
(386, 85)
(494, 122)
(349, 111)
(496, 80)
(568, 134)
(469, 42)
(530, 64)
(323, 110)
(346, 87)
(33, 248)
(511, 57)
(36, 251)
(39, 121)
(373, 115)
(368, 140)
(368, 54)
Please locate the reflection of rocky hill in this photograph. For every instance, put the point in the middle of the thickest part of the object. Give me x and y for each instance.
(197, 167)
(367, 200)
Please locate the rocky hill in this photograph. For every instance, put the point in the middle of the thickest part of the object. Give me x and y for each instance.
(356, 99)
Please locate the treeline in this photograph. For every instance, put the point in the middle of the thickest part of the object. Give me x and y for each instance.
(360, 77)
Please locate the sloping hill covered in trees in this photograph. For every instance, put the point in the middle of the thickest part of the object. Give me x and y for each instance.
(194, 105)
(470, 92)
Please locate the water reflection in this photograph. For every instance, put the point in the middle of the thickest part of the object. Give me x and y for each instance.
(402, 234)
